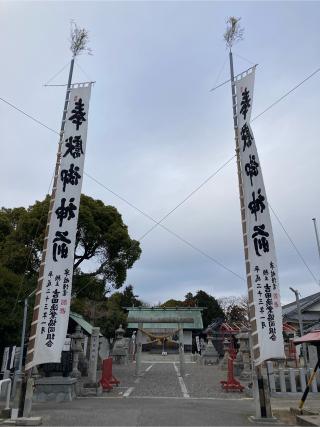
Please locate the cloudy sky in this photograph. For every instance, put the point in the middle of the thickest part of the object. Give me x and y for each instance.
(156, 132)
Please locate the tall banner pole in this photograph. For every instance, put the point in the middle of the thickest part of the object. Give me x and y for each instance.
(265, 312)
(52, 200)
(27, 387)
(261, 410)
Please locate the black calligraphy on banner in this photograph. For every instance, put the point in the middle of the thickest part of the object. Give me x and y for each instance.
(53, 314)
(246, 136)
(70, 176)
(264, 297)
(273, 276)
(46, 304)
(74, 147)
(269, 306)
(251, 168)
(258, 286)
(56, 274)
(260, 239)
(257, 205)
(60, 245)
(66, 282)
(65, 212)
(78, 114)
(245, 103)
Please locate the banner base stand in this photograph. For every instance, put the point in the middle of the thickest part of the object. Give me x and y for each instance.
(28, 398)
(28, 421)
(254, 420)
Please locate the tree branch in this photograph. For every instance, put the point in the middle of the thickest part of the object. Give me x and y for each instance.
(99, 271)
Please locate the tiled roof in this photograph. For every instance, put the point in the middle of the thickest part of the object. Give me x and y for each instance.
(290, 310)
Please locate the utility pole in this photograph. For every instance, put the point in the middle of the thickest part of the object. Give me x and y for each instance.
(23, 334)
(304, 347)
(17, 382)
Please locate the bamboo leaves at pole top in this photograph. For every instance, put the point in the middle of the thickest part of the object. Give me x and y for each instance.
(234, 31)
(79, 38)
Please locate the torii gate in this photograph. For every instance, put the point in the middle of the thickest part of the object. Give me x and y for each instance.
(174, 320)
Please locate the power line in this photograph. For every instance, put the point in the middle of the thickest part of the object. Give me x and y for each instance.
(188, 197)
(139, 210)
(287, 93)
(293, 244)
(164, 227)
(31, 249)
(28, 115)
(259, 115)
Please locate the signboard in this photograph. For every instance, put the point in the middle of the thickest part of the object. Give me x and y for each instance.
(198, 343)
(8, 358)
(262, 272)
(5, 359)
(54, 304)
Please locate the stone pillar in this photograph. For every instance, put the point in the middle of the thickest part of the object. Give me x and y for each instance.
(139, 349)
(181, 351)
(94, 350)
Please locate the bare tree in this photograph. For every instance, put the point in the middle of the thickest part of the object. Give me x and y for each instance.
(234, 32)
(235, 308)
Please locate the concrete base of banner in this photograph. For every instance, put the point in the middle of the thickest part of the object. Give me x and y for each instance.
(255, 420)
(24, 421)
(57, 389)
(5, 413)
(30, 421)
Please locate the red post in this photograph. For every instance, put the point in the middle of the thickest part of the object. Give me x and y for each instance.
(231, 383)
(108, 379)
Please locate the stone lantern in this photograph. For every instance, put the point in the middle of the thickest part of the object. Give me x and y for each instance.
(76, 346)
(244, 349)
(120, 347)
(226, 348)
(210, 355)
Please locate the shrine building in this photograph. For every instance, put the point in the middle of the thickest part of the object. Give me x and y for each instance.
(160, 327)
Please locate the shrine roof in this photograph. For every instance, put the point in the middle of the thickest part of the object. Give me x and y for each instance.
(155, 317)
(86, 326)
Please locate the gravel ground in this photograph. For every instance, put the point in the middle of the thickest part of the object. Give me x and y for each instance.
(204, 381)
(161, 380)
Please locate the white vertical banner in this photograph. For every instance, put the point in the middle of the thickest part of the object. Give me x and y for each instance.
(266, 318)
(54, 305)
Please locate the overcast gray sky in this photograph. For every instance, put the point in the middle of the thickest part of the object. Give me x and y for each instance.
(156, 131)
